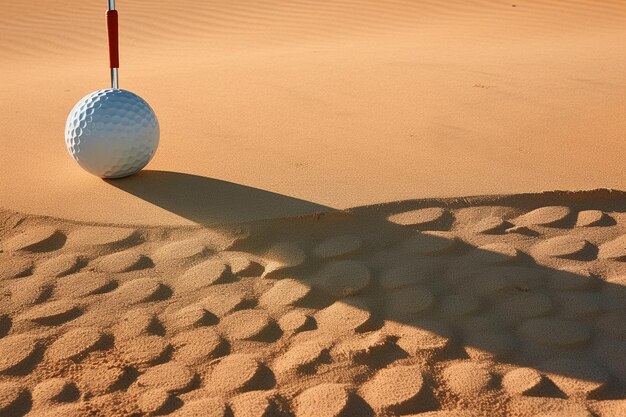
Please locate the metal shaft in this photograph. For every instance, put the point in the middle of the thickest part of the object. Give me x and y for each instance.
(114, 55)
(115, 78)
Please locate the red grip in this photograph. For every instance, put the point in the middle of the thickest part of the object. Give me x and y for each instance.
(112, 27)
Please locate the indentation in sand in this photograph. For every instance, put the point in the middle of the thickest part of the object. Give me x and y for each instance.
(389, 320)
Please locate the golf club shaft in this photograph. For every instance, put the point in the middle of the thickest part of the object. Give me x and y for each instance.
(114, 53)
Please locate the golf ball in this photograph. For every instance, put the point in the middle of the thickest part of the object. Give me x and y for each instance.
(112, 133)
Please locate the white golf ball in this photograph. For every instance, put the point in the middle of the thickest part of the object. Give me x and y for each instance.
(112, 133)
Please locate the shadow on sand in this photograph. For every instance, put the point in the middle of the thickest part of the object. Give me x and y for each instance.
(211, 201)
(510, 304)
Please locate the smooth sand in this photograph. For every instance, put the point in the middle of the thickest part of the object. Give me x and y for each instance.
(324, 103)
(503, 307)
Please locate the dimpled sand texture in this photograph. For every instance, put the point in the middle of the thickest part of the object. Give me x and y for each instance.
(112, 133)
(343, 315)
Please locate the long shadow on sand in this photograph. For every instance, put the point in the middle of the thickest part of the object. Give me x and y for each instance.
(209, 201)
(442, 291)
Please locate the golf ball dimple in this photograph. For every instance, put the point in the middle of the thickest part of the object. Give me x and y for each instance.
(112, 133)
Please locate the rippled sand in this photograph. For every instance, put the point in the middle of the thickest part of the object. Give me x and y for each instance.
(509, 306)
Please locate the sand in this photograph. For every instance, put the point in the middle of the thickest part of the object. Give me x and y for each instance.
(303, 106)
(421, 308)
(302, 244)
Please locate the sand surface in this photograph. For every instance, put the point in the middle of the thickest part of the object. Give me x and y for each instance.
(510, 306)
(302, 106)
(289, 252)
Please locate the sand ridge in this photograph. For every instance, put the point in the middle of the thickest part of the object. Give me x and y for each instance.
(364, 313)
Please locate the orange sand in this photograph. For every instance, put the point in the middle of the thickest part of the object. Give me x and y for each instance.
(337, 103)
(444, 308)
(279, 257)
